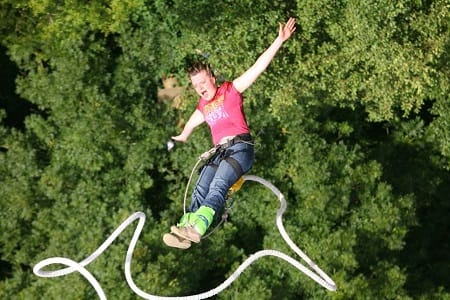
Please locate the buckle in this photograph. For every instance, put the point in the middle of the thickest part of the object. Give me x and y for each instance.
(227, 144)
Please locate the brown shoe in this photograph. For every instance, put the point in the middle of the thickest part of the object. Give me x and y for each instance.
(188, 233)
(175, 241)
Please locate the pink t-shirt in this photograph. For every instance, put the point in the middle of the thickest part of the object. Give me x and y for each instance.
(224, 113)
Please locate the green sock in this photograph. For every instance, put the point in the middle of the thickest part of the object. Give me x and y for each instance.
(203, 218)
(186, 220)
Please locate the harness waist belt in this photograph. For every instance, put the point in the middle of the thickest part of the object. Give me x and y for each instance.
(245, 137)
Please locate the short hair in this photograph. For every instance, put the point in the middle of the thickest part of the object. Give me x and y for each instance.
(199, 66)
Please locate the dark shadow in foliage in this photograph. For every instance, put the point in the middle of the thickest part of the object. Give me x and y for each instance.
(427, 252)
(410, 166)
(215, 275)
(266, 151)
(363, 133)
(370, 250)
(426, 255)
(5, 270)
(156, 196)
(16, 108)
(249, 238)
(103, 60)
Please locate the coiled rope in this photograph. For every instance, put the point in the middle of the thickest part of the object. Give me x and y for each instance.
(314, 272)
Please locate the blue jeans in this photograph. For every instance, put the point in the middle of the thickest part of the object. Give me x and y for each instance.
(217, 177)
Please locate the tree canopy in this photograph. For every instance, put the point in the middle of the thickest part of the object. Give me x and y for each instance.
(351, 123)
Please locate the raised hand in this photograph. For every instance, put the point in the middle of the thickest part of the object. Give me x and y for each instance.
(287, 30)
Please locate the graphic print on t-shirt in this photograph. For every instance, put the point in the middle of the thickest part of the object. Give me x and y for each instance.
(215, 111)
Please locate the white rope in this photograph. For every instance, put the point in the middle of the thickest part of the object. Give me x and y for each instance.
(314, 272)
(203, 157)
(188, 184)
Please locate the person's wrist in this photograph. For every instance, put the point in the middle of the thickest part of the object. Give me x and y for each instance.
(279, 40)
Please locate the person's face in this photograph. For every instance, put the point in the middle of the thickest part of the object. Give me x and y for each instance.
(204, 85)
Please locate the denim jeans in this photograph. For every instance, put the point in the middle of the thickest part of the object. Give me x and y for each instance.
(216, 179)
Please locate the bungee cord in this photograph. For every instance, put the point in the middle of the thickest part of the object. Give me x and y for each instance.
(314, 272)
(188, 184)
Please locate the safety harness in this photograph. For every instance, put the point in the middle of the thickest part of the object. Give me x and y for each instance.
(222, 152)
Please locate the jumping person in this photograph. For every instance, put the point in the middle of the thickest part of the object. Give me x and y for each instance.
(221, 107)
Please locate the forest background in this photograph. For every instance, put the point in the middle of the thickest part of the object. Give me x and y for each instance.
(351, 122)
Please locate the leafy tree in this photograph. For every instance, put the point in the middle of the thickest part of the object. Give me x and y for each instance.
(350, 123)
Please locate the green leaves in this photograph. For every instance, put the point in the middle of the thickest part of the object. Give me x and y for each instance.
(350, 122)
(371, 54)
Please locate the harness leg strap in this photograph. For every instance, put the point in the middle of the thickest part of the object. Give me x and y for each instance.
(235, 165)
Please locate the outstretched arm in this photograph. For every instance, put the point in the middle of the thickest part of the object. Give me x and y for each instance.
(246, 80)
(195, 120)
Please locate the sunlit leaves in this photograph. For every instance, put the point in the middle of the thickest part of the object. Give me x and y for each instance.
(350, 121)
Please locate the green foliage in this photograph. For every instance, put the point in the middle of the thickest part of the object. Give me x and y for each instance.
(351, 123)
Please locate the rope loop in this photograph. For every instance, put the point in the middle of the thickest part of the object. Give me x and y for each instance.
(313, 271)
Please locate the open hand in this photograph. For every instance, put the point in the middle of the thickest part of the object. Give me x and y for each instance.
(287, 30)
